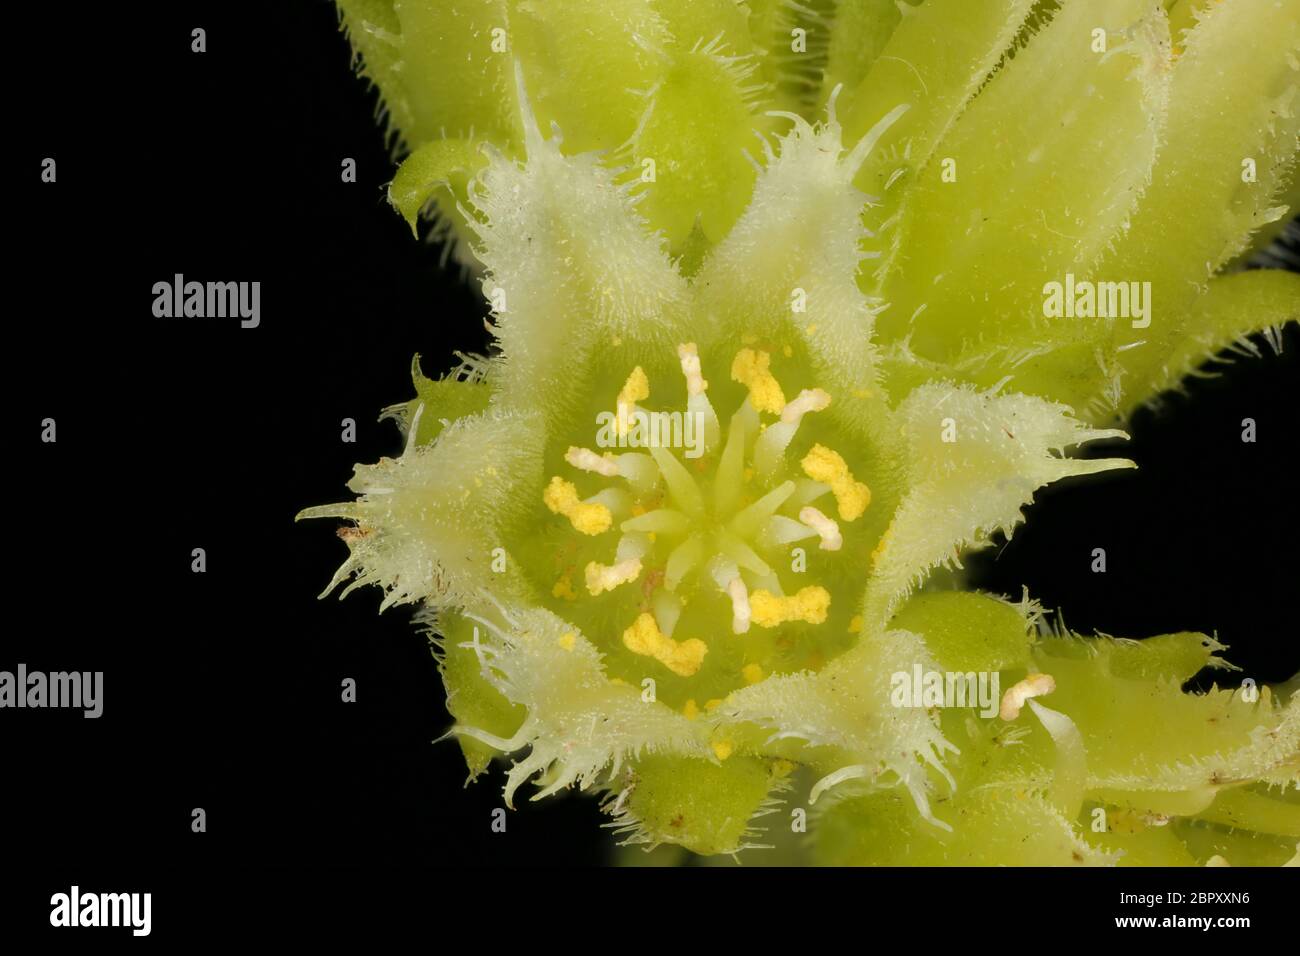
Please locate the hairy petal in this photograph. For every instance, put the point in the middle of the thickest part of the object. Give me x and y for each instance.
(976, 458)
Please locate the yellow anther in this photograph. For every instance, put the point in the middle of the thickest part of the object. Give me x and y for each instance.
(635, 389)
(562, 498)
(752, 673)
(601, 577)
(824, 465)
(722, 749)
(712, 704)
(809, 605)
(567, 640)
(564, 588)
(644, 637)
(855, 625)
(753, 370)
(690, 710)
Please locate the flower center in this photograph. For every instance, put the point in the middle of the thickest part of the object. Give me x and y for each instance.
(706, 515)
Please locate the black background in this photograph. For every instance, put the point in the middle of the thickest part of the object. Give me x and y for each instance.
(222, 690)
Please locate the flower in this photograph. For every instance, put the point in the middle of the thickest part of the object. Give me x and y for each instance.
(672, 536)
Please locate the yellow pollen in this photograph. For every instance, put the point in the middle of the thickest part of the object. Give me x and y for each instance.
(690, 710)
(809, 605)
(644, 637)
(635, 389)
(824, 465)
(564, 588)
(562, 498)
(752, 673)
(752, 369)
(601, 577)
(722, 749)
(567, 640)
(712, 704)
(855, 625)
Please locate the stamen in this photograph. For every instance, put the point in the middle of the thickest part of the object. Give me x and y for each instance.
(809, 606)
(826, 529)
(809, 400)
(740, 612)
(644, 637)
(589, 518)
(697, 403)
(690, 358)
(584, 459)
(1035, 685)
(727, 576)
(752, 369)
(602, 577)
(852, 497)
(635, 389)
(776, 438)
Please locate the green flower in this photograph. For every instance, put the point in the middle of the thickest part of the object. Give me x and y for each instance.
(673, 536)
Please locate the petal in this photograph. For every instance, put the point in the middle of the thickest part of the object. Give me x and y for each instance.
(976, 459)
(579, 722)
